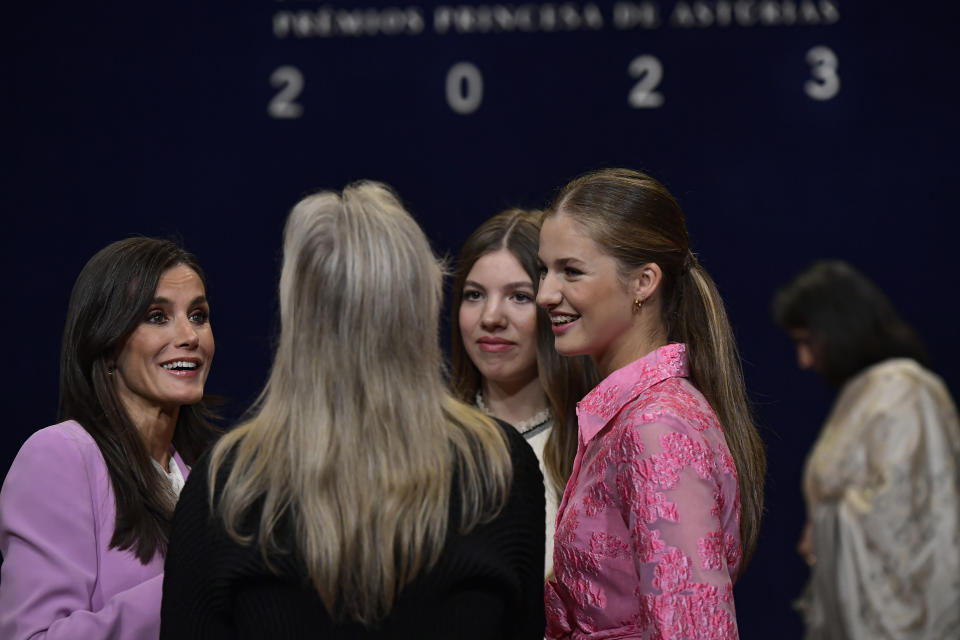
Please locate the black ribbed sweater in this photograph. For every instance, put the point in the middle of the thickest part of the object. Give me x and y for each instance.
(487, 584)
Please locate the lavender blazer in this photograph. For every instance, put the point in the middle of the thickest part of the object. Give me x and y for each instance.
(59, 579)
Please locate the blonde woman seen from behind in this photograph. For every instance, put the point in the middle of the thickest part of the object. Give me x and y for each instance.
(360, 499)
(503, 358)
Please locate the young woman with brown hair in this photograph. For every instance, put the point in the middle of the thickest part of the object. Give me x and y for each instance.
(663, 505)
(502, 349)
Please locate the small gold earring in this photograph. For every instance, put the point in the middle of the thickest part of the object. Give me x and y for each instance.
(637, 304)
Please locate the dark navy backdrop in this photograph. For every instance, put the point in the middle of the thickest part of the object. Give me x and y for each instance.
(154, 119)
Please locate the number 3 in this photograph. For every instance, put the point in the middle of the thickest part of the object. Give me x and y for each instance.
(823, 68)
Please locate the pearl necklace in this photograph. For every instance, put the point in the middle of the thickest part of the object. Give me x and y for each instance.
(526, 426)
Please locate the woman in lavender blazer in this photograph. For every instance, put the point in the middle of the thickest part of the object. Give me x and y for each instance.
(85, 509)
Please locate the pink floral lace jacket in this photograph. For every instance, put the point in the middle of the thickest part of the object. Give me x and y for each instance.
(647, 542)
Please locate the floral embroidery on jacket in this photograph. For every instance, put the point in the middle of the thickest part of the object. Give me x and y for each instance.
(673, 572)
(651, 456)
(707, 612)
(602, 543)
(604, 404)
(712, 550)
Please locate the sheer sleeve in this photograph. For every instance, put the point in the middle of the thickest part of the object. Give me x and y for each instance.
(683, 528)
(49, 542)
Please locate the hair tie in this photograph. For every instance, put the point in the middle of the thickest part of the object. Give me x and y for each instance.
(689, 262)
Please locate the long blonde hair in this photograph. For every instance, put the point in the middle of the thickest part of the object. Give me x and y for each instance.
(633, 218)
(355, 441)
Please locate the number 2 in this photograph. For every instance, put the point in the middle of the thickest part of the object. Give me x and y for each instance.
(290, 82)
(649, 72)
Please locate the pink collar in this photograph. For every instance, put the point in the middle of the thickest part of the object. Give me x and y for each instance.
(623, 385)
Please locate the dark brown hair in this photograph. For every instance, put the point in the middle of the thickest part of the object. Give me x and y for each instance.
(109, 299)
(852, 323)
(634, 219)
(565, 380)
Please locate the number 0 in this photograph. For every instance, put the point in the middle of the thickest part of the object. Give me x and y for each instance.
(464, 88)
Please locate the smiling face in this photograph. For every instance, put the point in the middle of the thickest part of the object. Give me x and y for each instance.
(498, 319)
(164, 362)
(590, 307)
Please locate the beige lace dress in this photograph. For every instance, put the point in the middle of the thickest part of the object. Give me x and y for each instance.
(882, 488)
